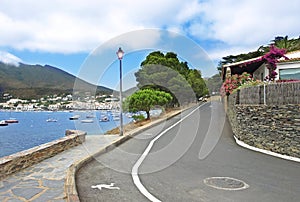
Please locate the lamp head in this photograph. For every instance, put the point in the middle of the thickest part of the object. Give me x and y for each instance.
(120, 53)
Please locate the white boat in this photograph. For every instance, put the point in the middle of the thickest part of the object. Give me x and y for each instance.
(75, 117)
(90, 116)
(104, 119)
(87, 121)
(3, 123)
(116, 118)
(12, 120)
(51, 120)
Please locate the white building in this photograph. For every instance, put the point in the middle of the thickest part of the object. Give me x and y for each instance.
(286, 69)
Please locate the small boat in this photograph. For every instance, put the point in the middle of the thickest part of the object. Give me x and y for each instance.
(3, 123)
(87, 121)
(12, 121)
(51, 120)
(75, 117)
(104, 119)
(116, 118)
(90, 116)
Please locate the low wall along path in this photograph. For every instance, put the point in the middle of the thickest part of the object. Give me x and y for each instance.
(18, 161)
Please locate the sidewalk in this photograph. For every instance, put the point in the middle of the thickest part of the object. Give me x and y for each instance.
(45, 181)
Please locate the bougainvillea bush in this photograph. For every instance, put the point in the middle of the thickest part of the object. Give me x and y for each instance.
(236, 82)
(272, 58)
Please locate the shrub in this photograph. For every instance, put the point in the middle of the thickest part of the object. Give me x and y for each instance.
(237, 82)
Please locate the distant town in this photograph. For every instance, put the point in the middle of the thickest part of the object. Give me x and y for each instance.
(56, 103)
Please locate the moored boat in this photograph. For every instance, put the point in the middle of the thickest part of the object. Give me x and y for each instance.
(87, 121)
(3, 123)
(90, 116)
(104, 119)
(75, 117)
(12, 121)
(51, 120)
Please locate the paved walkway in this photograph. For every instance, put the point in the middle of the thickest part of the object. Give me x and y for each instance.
(45, 181)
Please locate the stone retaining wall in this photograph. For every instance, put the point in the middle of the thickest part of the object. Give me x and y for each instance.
(271, 127)
(13, 163)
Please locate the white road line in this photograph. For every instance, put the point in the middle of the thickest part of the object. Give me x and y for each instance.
(134, 171)
(242, 144)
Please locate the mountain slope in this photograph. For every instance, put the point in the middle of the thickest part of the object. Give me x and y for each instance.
(36, 81)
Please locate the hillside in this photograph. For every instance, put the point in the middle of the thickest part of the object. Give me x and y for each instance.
(30, 81)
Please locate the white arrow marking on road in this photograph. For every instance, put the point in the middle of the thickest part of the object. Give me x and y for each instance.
(106, 186)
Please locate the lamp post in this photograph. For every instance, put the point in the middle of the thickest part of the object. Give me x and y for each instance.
(120, 54)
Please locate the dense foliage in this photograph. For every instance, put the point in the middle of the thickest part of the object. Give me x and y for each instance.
(272, 58)
(165, 72)
(237, 81)
(145, 100)
(35, 81)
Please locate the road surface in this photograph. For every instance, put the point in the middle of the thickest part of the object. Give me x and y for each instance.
(174, 169)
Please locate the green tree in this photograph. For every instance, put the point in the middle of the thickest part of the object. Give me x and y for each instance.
(165, 79)
(145, 100)
(165, 72)
(197, 83)
(286, 43)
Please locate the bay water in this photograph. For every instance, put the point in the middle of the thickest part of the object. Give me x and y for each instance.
(33, 128)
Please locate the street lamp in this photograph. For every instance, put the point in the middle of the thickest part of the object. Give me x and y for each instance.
(120, 54)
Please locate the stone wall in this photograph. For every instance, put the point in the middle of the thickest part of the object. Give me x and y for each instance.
(273, 127)
(13, 163)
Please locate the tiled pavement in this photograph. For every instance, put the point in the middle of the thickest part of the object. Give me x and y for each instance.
(45, 181)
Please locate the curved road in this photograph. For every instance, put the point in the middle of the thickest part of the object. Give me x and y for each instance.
(175, 170)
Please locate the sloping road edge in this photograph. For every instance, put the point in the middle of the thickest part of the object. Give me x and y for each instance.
(70, 189)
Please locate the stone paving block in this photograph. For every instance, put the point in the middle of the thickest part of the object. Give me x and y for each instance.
(7, 185)
(14, 200)
(29, 183)
(26, 193)
(49, 195)
(53, 183)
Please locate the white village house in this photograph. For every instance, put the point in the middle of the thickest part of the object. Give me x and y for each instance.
(286, 69)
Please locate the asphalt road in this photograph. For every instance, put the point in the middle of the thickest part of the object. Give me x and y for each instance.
(184, 165)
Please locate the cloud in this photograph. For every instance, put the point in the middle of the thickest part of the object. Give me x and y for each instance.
(246, 23)
(71, 26)
(8, 58)
(75, 26)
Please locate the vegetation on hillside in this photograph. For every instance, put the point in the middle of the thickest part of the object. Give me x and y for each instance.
(35, 81)
(214, 83)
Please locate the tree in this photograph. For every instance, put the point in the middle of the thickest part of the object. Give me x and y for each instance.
(165, 72)
(197, 83)
(145, 100)
(287, 44)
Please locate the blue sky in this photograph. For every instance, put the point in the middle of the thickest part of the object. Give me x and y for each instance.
(65, 33)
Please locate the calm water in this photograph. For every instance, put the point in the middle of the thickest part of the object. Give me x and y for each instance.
(33, 129)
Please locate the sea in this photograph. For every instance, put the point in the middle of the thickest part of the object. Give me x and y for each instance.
(33, 129)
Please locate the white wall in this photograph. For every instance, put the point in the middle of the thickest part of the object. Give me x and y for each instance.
(261, 72)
